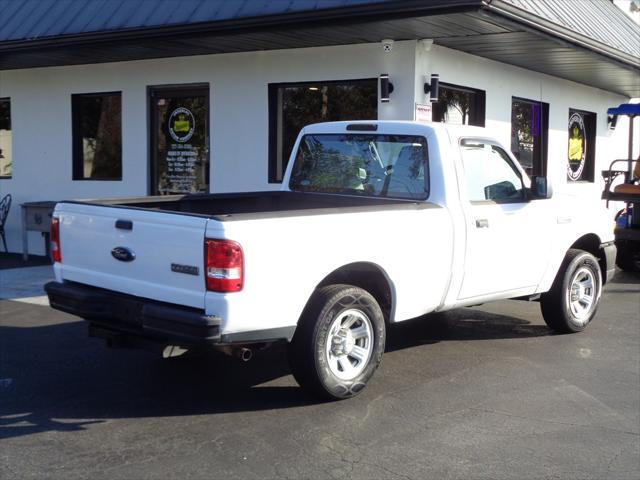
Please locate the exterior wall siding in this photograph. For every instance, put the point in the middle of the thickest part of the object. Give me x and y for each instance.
(239, 121)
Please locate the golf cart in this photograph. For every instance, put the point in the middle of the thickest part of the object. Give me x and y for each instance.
(627, 231)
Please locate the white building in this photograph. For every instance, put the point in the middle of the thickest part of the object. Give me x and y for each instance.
(113, 99)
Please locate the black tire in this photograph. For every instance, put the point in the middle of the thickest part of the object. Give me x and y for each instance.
(564, 310)
(628, 256)
(310, 357)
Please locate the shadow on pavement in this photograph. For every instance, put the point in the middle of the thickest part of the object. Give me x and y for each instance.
(61, 380)
(460, 324)
(626, 277)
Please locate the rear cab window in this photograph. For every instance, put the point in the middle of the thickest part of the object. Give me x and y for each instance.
(393, 166)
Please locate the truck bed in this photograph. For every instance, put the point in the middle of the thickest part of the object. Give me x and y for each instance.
(242, 206)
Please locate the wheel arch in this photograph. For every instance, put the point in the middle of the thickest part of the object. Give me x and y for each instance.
(370, 277)
(591, 243)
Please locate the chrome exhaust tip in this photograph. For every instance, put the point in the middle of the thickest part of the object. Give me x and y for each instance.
(244, 354)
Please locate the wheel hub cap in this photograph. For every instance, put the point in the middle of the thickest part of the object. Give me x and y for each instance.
(582, 294)
(349, 344)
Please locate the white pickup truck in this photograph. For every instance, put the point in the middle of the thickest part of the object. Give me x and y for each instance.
(378, 222)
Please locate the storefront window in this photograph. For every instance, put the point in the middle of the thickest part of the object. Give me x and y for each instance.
(179, 139)
(582, 146)
(459, 105)
(529, 128)
(97, 136)
(293, 106)
(6, 165)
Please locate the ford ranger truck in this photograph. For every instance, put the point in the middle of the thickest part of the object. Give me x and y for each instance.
(376, 223)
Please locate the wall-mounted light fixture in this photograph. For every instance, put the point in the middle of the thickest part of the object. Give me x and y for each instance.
(433, 88)
(612, 121)
(386, 87)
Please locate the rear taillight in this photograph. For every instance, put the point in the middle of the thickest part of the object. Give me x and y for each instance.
(224, 264)
(54, 233)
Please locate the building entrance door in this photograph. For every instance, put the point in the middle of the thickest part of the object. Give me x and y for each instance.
(179, 140)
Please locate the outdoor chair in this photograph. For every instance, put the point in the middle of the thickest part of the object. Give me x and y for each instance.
(5, 205)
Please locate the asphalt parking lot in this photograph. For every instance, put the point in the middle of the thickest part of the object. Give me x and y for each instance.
(486, 392)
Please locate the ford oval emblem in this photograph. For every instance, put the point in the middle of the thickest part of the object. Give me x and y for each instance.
(123, 254)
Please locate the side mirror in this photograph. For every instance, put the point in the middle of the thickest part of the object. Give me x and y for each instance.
(540, 188)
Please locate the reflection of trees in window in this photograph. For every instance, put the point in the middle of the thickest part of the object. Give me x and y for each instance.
(459, 105)
(529, 120)
(6, 165)
(97, 136)
(378, 165)
(522, 134)
(302, 104)
(328, 169)
(456, 106)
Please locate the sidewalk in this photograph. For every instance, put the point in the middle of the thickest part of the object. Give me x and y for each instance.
(25, 284)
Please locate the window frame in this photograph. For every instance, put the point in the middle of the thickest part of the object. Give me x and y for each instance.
(273, 113)
(77, 151)
(480, 103)
(8, 100)
(544, 135)
(426, 173)
(513, 163)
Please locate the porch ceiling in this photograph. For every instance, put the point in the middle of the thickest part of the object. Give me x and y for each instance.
(470, 27)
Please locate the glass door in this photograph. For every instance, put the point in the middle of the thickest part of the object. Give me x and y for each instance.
(179, 140)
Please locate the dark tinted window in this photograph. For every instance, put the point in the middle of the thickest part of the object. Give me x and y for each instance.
(459, 105)
(97, 136)
(293, 106)
(529, 128)
(582, 146)
(6, 163)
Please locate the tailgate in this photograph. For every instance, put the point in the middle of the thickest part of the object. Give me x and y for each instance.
(160, 257)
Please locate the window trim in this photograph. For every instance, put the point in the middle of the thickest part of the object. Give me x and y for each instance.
(272, 92)
(77, 154)
(480, 103)
(427, 163)
(9, 177)
(513, 163)
(544, 132)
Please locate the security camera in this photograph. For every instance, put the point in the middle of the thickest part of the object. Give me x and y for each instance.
(387, 45)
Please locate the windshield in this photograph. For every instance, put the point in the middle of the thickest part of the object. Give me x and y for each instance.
(362, 164)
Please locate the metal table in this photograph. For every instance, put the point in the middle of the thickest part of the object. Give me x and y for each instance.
(36, 216)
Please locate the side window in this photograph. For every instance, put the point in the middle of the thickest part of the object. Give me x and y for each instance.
(489, 173)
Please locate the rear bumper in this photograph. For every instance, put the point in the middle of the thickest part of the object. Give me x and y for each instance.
(115, 313)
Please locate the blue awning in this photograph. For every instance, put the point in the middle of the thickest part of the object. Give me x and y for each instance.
(630, 109)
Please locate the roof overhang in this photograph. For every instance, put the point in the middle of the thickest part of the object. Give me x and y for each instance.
(491, 29)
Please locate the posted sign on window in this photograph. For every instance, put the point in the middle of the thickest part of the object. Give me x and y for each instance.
(180, 141)
(581, 147)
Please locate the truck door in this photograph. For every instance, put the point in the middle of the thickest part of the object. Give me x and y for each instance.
(508, 240)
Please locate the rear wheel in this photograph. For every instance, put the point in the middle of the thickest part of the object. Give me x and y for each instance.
(339, 342)
(573, 299)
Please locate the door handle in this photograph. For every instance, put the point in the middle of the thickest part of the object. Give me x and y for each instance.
(482, 223)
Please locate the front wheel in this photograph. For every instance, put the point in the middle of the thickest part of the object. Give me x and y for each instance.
(339, 342)
(573, 299)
